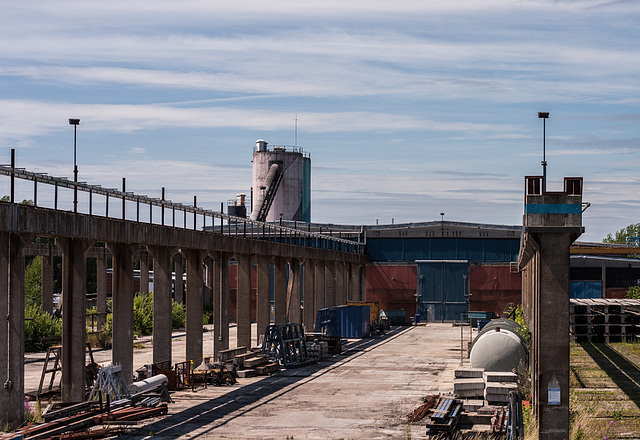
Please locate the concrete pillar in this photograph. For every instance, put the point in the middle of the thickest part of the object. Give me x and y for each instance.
(162, 274)
(293, 292)
(279, 291)
(47, 282)
(330, 284)
(101, 290)
(195, 288)
(221, 303)
(340, 283)
(320, 285)
(263, 311)
(178, 280)
(122, 307)
(308, 298)
(74, 317)
(362, 282)
(144, 272)
(354, 282)
(243, 301)
(12, 328)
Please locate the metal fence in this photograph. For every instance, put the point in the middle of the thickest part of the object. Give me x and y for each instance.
(95, 200)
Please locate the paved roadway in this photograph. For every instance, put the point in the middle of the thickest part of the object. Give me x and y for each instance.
(364, 393)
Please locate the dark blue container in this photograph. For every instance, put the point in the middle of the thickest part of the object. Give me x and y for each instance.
(482, 323)
(354, 321)
(416, 318)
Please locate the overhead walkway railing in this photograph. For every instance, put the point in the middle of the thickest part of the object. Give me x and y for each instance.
(181, 215)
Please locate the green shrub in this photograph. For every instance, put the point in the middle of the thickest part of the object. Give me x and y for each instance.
(39, 324)
(143, 314)
(178, 315)
(633, 292)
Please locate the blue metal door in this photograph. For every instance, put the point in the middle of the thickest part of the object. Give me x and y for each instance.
(442, 290)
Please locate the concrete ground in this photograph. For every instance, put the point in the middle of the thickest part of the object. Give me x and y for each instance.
(364, 393)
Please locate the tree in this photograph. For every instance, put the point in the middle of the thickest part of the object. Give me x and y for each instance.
(33, 282)
(623, 235)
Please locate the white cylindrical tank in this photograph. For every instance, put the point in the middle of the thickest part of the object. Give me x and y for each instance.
(151, 383)
(292, 199)
(498, 347)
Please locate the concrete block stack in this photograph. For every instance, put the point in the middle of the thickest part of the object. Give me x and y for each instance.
(318, 350)
(498, 386)
(252, 364)
(469, 383)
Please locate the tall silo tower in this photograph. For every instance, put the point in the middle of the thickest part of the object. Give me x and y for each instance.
(281, 184)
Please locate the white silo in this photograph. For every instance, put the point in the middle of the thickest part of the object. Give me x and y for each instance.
(281, 183)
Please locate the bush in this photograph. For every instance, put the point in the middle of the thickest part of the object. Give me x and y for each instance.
(39, 324)
(633, 292)
(143, 314)
(178, 315)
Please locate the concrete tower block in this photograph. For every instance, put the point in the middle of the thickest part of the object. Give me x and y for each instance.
(552, 221)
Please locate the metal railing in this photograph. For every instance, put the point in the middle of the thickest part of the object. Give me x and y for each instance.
(210, 221)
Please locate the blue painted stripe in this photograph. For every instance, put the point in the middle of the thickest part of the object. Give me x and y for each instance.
(557, 208)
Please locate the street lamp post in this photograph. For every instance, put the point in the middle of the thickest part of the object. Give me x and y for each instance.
(544, 116)
(75, 123)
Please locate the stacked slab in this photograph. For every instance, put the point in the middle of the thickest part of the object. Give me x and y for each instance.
(469, 383)
(498, 386)
(317, 351)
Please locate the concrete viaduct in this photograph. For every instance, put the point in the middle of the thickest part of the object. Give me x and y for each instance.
(333, 272)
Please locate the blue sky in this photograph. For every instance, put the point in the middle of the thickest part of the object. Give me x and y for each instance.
(408, 109)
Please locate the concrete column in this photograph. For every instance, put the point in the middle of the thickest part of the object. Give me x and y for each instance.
(195, 287)
(354, 283)
(293, 292)
(47, 282)
(330, 284)
(309, 300)
(341, 294)
(144, 272)
(279, 291)
(243, 301)
(122, 307)
(162, 274)
(101, 290)
(74, 317)
(178, 280)
(221, 303)
(320, 285)
(12, 328)
(362, 282)
(551, 334)
(263, 313)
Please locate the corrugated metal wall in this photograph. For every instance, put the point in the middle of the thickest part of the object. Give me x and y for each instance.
(471, 249)
(492, 287)
(393, 287)
(586, 289)
(442, 287)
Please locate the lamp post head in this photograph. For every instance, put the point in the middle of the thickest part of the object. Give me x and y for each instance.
(543, 115)
(74, 121)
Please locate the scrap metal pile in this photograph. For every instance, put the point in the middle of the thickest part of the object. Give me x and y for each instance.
(110, 410)
(447, 414)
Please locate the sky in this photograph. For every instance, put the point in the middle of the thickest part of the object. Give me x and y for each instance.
(408, 109)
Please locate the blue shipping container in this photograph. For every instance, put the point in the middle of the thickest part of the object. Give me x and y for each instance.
(354, 321)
